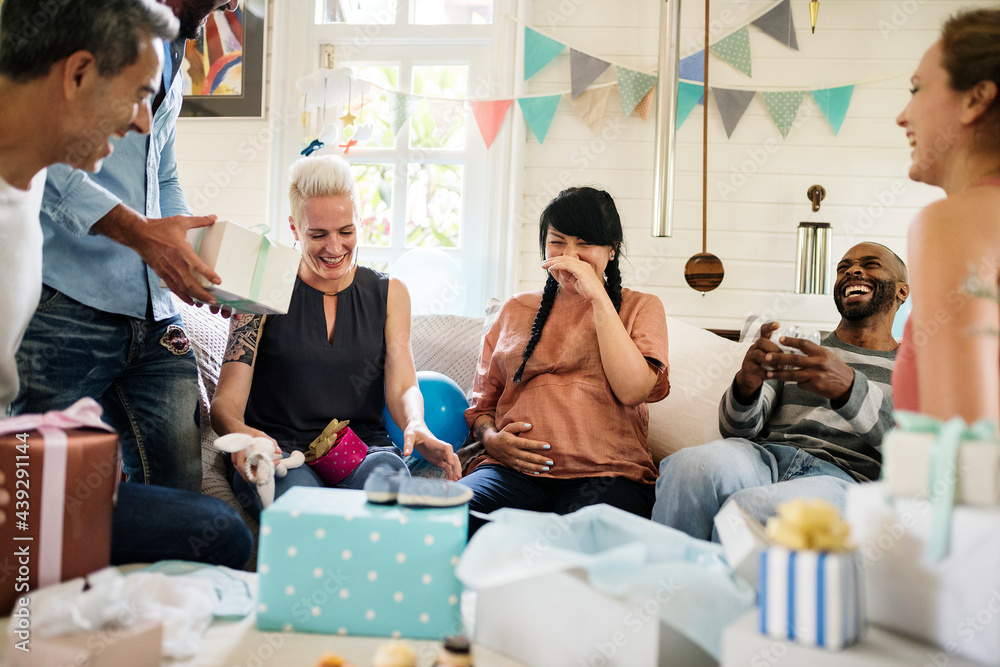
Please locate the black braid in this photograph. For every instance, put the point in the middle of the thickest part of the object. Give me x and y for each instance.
(613, 283)
(544, 308)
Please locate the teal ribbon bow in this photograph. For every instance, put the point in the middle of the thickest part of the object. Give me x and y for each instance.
(258, 271)
(942, 481)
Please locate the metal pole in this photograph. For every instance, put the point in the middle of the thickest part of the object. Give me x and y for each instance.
(666, 117)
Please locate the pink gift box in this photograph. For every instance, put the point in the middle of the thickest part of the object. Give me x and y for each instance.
(347, 454)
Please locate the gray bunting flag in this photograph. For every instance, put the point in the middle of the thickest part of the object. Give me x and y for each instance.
(778, 24)
(584, 69)
(732, 105)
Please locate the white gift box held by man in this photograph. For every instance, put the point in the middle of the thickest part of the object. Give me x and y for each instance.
(257, 273)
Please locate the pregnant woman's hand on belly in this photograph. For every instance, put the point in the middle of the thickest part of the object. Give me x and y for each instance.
(522, 454)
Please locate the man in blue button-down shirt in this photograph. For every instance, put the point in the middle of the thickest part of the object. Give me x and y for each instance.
(104, 327)
(71, 74)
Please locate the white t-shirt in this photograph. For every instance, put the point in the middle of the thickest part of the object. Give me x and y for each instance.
(20, 274)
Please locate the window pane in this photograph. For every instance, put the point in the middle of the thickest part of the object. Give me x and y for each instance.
(377, 265)
(360, 12)
(386, 77)
(452, 12)
(375, 188)
(433, 205)
(439, 123)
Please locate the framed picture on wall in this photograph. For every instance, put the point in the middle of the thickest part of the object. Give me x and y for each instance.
(224, 68)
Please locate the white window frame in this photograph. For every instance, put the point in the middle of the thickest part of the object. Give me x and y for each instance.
(487, 252)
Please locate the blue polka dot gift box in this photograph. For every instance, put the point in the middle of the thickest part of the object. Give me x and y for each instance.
(331, 562)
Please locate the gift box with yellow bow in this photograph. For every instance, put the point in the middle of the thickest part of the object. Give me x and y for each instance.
(809, 588)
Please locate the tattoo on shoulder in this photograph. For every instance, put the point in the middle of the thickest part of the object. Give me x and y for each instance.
(244, 333)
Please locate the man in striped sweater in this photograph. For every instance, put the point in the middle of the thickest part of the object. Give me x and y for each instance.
(798, 425)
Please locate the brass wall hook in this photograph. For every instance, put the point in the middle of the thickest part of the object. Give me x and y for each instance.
(816, 194)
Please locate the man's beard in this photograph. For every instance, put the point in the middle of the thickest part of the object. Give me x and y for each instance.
(193, 18)
(882, 298)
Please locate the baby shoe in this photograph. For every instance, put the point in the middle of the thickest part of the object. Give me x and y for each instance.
(382, 485)
(428, 492)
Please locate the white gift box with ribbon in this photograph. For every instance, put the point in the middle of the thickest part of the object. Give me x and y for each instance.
(953, 602)
(810, 597)
(907, 464)
(257, 273)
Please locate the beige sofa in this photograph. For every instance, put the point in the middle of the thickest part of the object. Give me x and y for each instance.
(702, 365)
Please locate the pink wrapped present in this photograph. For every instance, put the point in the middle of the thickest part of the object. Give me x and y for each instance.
(347, 454)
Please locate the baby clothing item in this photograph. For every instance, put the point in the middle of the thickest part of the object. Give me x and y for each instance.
(386, 486)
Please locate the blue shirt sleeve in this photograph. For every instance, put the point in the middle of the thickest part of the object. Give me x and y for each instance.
(172, 199)
(74, 201)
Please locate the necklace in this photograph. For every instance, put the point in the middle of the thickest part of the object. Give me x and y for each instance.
(352, 269)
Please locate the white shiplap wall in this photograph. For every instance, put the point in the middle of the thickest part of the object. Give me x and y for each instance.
(224, 163)
(752, 223)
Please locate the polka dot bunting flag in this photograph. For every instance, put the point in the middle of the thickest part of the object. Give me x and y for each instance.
(783, 107)
(400, 107)
(735, 50)
(633, 86)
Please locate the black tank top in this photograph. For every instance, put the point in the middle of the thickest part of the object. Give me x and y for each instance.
(301, 380)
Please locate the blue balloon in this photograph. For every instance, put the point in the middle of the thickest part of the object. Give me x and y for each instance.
(444, 411)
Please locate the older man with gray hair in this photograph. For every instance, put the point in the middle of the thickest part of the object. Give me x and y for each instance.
(73, 73)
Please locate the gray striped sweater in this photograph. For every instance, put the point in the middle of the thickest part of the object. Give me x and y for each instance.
(849, 437)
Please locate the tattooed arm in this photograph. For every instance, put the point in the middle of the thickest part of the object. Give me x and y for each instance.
(235, 378)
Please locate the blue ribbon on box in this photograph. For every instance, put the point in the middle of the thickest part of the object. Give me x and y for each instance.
(943, 479)
(829, 596)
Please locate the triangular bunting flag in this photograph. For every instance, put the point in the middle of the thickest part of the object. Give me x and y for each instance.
(692, 68)
(735, 50)
(444, 114)
(489, 117)
(591, 105)
(732, 105)
(834, 102)
(645, 104)
(539, 51)
(400, 107)
(778, 23)
(584, 69)
(783, 107)
(538, 113)
(688, 95)
(633, 86)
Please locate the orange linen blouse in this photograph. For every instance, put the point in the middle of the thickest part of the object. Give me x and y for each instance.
(564, 393)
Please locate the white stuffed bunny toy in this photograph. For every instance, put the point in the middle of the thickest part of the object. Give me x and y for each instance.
(260, 468)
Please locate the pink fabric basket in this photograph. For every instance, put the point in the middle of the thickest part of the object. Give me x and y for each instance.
(346, 455)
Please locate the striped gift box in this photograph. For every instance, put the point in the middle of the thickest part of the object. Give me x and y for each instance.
(810, 597)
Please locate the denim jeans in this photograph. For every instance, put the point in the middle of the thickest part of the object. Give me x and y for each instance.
(246, 493)
(152, 523)
(495, 486)
(695, 482)
(147, 387)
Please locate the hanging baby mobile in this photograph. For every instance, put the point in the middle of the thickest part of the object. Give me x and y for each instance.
(335, 101)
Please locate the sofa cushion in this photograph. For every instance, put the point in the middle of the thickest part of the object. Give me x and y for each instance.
(209, 334)
(447, 344)
(702, 366)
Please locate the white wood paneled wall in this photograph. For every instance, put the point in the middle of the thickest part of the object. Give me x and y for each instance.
(224, 162)
(757, 179)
